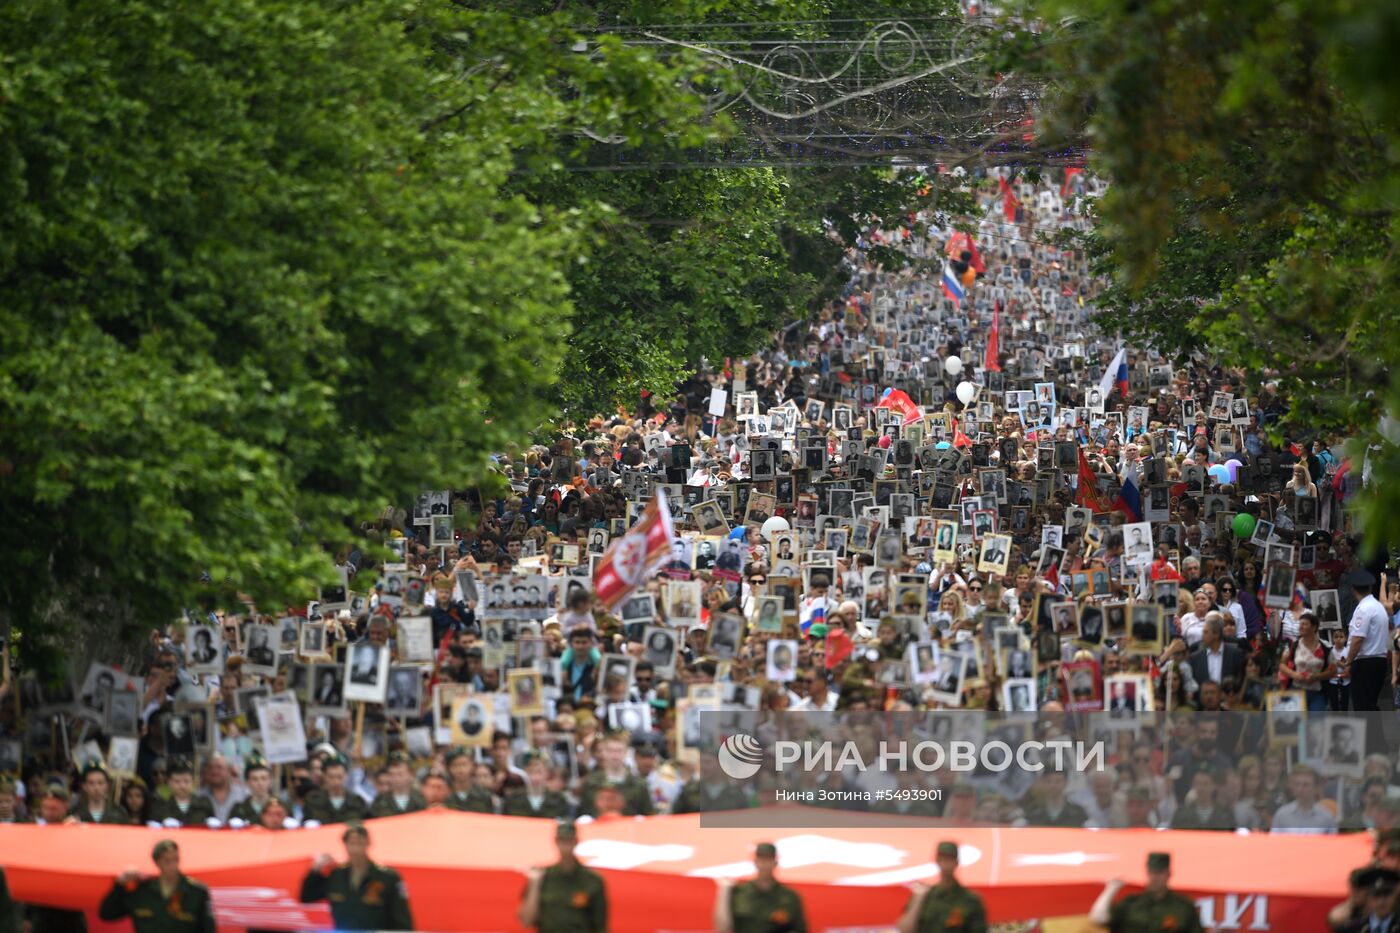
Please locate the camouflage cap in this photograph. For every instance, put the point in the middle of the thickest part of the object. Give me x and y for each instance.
(1159, 861)
(947, 850)
(765, 850)
(566, 830)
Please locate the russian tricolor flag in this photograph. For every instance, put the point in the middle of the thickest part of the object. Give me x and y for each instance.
(1129, 500)
(1116, 375)
(952, 286)
(815, 613)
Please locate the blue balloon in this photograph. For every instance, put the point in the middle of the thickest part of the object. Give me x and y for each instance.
(1220, 473)
(887, 392)
(740, 534)
(942, 445)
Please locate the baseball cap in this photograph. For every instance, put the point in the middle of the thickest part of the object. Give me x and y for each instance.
(947, 850)
(765, 850)
(1159, 861)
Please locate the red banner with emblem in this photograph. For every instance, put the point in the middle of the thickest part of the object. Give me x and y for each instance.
(636, 555)
(465, 871)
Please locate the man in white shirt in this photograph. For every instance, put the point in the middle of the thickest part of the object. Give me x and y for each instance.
(1303, 815)
(1368, 648)
(819, 695)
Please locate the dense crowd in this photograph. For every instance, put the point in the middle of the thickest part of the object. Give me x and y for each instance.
(945, 491)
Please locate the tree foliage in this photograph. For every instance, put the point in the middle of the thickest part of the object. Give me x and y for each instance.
(1251, 215)
(267, 266)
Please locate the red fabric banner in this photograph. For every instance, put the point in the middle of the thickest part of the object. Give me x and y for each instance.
(454, 865)
(636, 555)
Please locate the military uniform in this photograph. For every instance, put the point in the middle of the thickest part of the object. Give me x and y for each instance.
(112, 815)
(10, 913)
(694, 798)
(554, 806)
(776, 909)
(635, 796)
(318, 807)
(1219, 818)
(572, 901)
(1139, 913)
(188, 909)
(476, 800)
(199, 812)
(951, 907)
(386, 805)
(248, 811)
(380, 902)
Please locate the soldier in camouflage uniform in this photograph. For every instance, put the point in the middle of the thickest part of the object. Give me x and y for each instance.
(95, 805)
(402, 796)
(333, 802)
(1156, 908)
(535, 799)
(709, 791)
(257, 777)
(612, 769)
(566, 897)
(183, 805)
(947, 905)
(362, 894)
(466, 796)
(167, 903)
(762, 905)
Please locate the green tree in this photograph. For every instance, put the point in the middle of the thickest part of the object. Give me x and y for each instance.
(1251, 215)
(252, 288)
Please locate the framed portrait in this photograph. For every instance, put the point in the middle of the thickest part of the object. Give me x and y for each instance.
(204, 652)
(327, 696)
(366, 673)
(633, 718)
(444, 695)
(781, 666)
(526, 686)
(415, 641)
(1018, 695)
(1344, 746)
(1083, 689)
(660, 646)
(403, 697)
(312, 643)
(472, 720)
(1286, 711)
(1145, 632)
(1126, 696)
(122, 753)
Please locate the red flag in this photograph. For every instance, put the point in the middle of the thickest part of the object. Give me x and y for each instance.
(900, 401)
(1069, 180)
(1088, 492)
(975, 261)
(961, 242)
(838, 646)
(993, 361)
(1009, 203)
(634, 557)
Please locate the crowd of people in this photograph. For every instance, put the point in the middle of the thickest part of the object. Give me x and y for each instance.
(945, 491)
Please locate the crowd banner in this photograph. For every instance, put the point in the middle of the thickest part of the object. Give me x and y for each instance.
(848, 877)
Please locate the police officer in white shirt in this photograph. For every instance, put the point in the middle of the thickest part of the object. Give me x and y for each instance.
(1368, 648)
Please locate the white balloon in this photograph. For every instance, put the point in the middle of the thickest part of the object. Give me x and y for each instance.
(953, 365)
(775, 525)
(966, 392)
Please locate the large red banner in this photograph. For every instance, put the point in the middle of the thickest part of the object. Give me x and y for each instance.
(465, 871)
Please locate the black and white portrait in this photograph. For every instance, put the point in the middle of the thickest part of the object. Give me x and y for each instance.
(367, 673)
